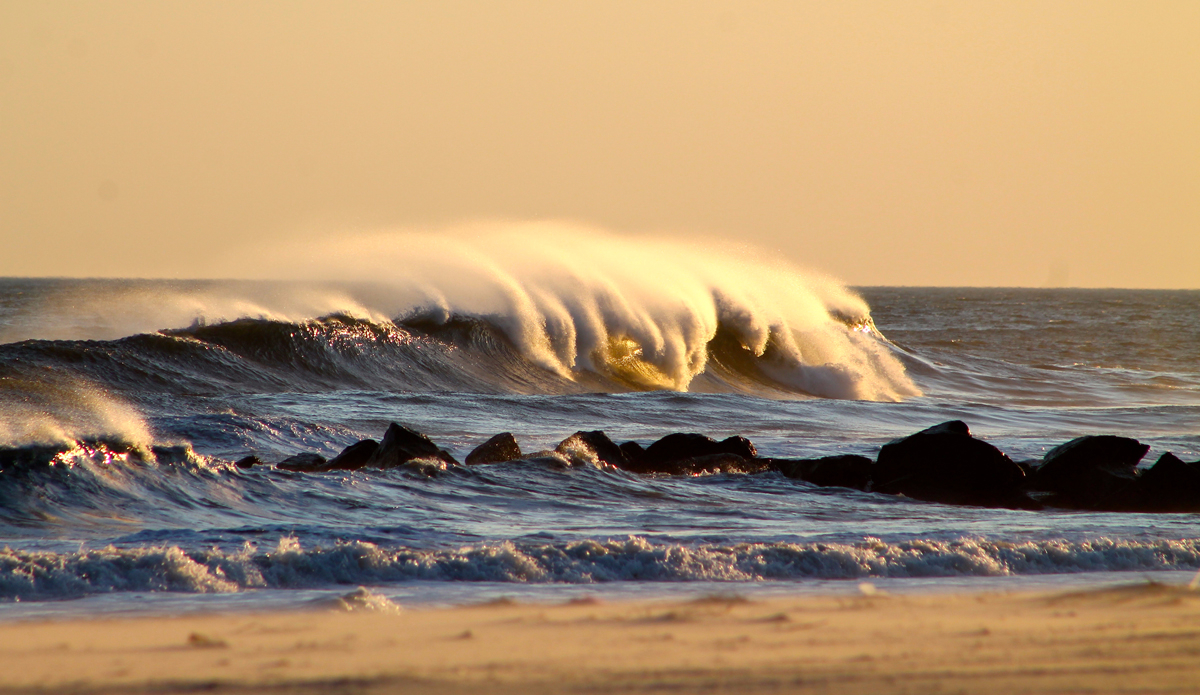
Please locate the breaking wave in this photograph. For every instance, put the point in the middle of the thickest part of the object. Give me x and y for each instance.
(516, 308)
(41, 575)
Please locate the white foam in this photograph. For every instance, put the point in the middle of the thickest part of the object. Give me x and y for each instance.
(37, 575)
(361, 600)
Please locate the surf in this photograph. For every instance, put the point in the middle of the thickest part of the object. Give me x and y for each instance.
(525, 308)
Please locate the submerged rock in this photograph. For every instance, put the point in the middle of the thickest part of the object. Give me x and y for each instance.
(946, 464)
(401, 445)
(1092, 472)
(306, 462)
(248, 461)
(500, 448)
(846, 470)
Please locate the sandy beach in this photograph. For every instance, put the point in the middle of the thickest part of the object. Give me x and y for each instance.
(1136, 638)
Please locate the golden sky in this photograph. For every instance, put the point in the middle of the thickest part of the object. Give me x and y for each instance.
(916, 143)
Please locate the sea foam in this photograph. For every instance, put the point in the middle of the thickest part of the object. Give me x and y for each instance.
(42, 575)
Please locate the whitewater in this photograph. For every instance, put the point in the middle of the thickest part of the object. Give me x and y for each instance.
(125, 403)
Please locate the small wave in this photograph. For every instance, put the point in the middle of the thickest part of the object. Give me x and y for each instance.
(42, 575)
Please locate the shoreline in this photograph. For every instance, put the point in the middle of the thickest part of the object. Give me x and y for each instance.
(1143, 636)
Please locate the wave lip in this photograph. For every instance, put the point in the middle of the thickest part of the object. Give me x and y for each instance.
(44, 575)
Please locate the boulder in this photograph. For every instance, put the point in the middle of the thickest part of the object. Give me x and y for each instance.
(354, 456)
(847, 470)
(946, 464)
(633, 451)
(670, 454)
(401, 445)
(1170, 485)
(715, 463)
(248, 461)
(593, 446)
(500, 448)
(306, 462)
(1092, 472)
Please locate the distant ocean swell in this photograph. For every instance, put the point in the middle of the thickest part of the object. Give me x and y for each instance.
(42, 575)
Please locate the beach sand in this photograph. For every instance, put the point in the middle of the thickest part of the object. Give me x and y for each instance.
(1138, 638)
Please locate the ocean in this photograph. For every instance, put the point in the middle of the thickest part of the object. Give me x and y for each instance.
(125, 403)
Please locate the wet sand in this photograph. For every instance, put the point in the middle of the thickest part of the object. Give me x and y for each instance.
(1139, 638)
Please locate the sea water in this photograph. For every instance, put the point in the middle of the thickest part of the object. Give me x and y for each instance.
(198, 374)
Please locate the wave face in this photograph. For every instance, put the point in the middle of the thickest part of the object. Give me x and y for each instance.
(44, 575)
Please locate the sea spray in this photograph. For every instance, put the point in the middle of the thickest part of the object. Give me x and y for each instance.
(52, 407)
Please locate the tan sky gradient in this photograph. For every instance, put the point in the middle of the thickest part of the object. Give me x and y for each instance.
(919, 143)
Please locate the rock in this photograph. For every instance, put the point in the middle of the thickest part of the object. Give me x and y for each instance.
(401, 445)
(633, 452)
(305, 462)
(1170, 485)
(715, 463)
(669, 454)
(1092, 472)
(248, 461)
(500, 448)
(847, 470)
(1029, 467)
(946, 464)
(354, 456)
(593, 446)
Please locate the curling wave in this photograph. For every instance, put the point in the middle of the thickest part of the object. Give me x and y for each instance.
(524, 309)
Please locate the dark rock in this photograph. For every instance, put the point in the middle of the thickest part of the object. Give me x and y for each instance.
(716, 463)
(306, 462)
(354, 456)
(593, 445)
(666, 455)
(847, 470)
(1092, 472)
(401, 445)
(633, 452)
(500, 448)
(1170, 485)
(946, 464)
(248, 461)
(1065, 461)
(1029, 467)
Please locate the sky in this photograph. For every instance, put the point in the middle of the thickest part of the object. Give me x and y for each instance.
(885, 143)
